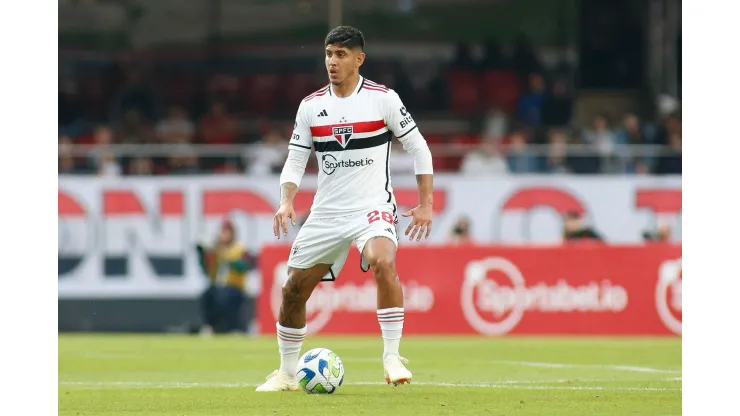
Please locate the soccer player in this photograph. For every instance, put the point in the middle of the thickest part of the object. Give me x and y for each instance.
(350, 123)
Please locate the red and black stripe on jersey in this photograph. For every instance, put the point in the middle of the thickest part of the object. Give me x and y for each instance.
(317, 93)
(373, 86)
(356, 142)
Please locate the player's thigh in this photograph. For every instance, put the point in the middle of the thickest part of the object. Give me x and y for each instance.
(376, 237)
(320, 243)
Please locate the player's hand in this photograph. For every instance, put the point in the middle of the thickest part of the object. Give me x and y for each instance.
(280, 221)
(421, 222)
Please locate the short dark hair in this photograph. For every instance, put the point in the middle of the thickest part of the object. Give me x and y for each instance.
(347, 36)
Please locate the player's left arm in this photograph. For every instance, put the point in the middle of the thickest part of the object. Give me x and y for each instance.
(403, 126)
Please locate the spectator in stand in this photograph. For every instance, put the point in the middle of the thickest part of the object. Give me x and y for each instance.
(183, 161)
(575, 229)
(230, 167)
(557, 109)
(101, 157)
(108, 166)
(218, 127)
(136, 94)
(662, 233)
(176, 128)
(633, 132)
(557, 153)
(495, 124)
(633, 135)
(604, 141)
(226, 264)
(460, 233)
(529, 108)
(134, 129)
(520, 159)
(67, 162)
(141, 166)
(485, 159)
(672, 126)
(268, 156)
(669, 162)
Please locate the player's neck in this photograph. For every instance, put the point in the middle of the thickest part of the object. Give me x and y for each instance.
(347, 87)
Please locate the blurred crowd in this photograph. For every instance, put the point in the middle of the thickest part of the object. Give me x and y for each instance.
(521, 113)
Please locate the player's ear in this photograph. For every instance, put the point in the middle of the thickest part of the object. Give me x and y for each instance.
(360, 59)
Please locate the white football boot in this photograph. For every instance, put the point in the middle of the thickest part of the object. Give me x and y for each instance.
(278, 381)
(395, 371)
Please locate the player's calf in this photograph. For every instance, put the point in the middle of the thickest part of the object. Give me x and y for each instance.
(291, 325)
(380, 254)
(296, 291)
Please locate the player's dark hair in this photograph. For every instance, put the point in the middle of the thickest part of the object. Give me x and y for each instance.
(347, 36)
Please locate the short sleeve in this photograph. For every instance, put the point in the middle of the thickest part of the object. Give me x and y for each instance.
(397, 117)
(301, 138)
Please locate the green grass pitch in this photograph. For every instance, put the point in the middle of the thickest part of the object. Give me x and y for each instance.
(188, 375)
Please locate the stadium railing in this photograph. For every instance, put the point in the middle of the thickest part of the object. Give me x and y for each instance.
(451, 149)
(448, 155)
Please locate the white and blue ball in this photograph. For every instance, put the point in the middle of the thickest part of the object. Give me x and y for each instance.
(320, 371)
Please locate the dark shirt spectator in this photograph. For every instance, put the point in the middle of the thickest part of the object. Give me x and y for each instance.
(138, 95)
(557, 108)
(529, 109)
(669, 162)
(633, 139)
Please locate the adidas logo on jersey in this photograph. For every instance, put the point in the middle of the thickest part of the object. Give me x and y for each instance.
(323, 113)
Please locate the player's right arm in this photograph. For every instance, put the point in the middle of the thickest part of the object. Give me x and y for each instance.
(293, 170)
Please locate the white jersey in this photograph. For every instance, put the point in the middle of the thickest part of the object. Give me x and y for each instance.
(352, 138)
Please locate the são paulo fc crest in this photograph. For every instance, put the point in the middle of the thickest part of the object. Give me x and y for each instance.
(343, 134)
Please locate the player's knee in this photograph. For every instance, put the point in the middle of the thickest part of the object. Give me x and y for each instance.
(383, 267)
(292, 292)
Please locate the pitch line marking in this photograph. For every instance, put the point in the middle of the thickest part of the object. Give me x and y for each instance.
(512, 384)
(632, 368)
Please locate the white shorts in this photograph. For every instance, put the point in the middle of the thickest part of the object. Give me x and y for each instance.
(328, 240)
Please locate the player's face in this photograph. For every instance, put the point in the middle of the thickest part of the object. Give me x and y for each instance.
(341, 62)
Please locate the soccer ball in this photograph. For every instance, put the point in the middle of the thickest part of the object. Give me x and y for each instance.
(320, 371)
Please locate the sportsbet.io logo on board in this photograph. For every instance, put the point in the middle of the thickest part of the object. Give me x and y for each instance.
(495, 296)
(668, 295)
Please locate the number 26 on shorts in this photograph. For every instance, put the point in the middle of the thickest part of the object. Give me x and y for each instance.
(373, 216)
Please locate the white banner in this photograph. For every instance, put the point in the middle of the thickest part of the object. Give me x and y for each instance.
(135, 237)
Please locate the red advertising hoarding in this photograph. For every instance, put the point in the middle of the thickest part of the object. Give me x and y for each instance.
(564, 290)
